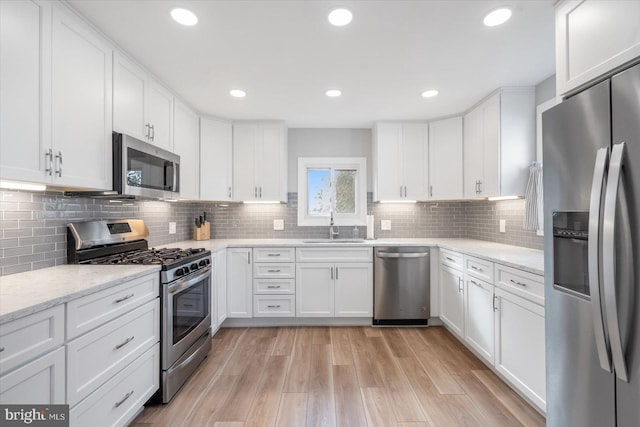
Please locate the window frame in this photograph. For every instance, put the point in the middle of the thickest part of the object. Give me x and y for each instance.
(359, 164)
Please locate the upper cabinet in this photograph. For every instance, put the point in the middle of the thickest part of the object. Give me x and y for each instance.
(445, 159)
(216, 159)
(593, 38)
(400, 161)
(142, 108)
(259, 162)
(186, 145)
(499, 144)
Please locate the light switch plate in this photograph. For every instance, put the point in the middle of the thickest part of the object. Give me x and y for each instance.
(278, 224)
(172, 227)
(385, 224)
(503, 226)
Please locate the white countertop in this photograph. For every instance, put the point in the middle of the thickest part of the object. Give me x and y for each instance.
(531, 260)
(25, 293)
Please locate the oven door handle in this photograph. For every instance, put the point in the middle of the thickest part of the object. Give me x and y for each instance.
(188, 282)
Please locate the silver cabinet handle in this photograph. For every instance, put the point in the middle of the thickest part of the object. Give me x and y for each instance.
(431, 191)
(616, 253)
(459, 284)
(229, 192)
(273, 271)
(401, 191)
(1, 349)
(124, 298)
(402, 254)
(255, 192)
(273, 306)
(479, 187)
(336, 273)
(475, 283)
(248, 257)
(405, 191)
(260, 192)
(148, 134)
(152, 128)
(124, 399)
(331, 273)
(273, 287)
(495, 302)
(599, 173)
(125, 342)
(49, 154)
(450, 259)
(59, 166)
(515, 282)
(273, 254)
(473, 267)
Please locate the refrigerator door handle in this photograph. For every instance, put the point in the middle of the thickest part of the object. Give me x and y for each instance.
(599, 180)
(612, 249)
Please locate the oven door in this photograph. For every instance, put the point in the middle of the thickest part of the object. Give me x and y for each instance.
(186, 314)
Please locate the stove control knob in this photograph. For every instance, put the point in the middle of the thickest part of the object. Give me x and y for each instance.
(194, 266)
(180, 272)
(204, 262)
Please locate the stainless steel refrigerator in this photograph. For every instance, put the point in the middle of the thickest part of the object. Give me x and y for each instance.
(591, 150)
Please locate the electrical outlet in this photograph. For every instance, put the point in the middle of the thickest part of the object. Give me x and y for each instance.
(172, 227)
(503, 226)
(385, 224)
(278, 224)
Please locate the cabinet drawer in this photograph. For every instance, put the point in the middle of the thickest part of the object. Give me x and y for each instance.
(26, 338)
(329, 254)
(451, 259)
(39, 382)
(274, 271)
(86, 313)
(274, 255)
(98, 355)
(274, 306)
(479, 268)
(274, 286)
(522, 283)
(116, 402)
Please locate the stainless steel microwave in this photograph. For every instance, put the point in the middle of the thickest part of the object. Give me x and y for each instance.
(142, 169)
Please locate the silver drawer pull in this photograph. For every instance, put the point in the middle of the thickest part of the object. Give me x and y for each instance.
(451, 259)
(273, 306)
(124, 298)
(476, 268)
(515, 282)
(188, 305)
(273, 287)
(124, 399)
(127, 341)
(475, 283)
(273, 254)
(273, 271)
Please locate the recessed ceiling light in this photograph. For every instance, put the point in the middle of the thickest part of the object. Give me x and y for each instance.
(497, 17)
(340, 17)
(429, 93)
(184, 17)
(237, 93)
(333, 93)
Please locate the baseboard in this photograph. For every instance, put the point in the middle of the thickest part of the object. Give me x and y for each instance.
(257, 322)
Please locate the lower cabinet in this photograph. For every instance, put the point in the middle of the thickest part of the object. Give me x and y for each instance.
(274, 306)
(239, 283)
(315, 290)
(353, 295)
(479, 317)
(452, 299)
(39, 382)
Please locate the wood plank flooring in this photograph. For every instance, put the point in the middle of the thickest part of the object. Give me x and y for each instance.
(341, 376)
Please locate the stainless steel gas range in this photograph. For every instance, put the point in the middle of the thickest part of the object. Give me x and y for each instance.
(185, 280)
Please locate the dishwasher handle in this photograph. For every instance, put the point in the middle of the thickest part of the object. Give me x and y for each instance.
(402, 255)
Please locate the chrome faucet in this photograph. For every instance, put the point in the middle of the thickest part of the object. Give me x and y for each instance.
(332, 232)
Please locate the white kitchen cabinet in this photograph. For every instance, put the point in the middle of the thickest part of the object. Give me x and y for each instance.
(259, 162)
(239, 283)
(479, 317)
(353, 294)
(452, 299)
(445, 159)
(142, 107)
(592, 39)
(400, 161)
(520, 345)
(39, 382)
(25, 43)
(315, 289)
(216, 159)
(221, 286)
(499, 144)
(186, 145)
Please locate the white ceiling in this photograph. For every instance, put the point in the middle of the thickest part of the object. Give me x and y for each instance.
(285, 55)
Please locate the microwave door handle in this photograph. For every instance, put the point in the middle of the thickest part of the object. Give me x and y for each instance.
(599, 180)
(613, 249)
(174, 188)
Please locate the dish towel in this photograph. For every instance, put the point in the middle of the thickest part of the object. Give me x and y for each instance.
(533, 199)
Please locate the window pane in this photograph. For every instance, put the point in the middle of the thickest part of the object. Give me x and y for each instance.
(345, 191)
(318, 192)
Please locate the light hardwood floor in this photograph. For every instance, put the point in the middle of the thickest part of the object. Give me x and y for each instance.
(341, 376)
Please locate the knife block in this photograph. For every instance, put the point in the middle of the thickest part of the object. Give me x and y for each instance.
(203, 232)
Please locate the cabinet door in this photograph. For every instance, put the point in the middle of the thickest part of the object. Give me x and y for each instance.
(160, 115)
(473, 163)
(40, 382)
(24, 30)
(221, 286)
(387, 157)
(81, 103)
(129, 103)
(445, 159)
(272, 164)
(479, 318)
(239, 283)
(186, 145)
(245, 137)
(354, 290)
(415, 162)
(314, 290)
(215, 159)
(490, 185)
(520, 345)
(452, 299)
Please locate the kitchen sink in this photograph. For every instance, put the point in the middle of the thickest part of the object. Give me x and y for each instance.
(334, 241)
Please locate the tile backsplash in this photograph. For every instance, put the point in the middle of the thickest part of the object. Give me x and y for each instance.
(33, 225)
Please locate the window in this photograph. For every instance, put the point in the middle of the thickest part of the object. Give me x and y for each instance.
(332, 185)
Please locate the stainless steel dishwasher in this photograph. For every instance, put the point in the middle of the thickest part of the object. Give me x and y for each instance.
(401, 292)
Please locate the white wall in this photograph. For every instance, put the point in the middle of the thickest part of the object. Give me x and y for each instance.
(327, 143)
(546, 89)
